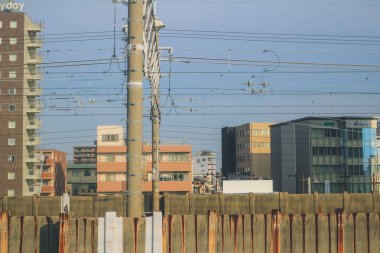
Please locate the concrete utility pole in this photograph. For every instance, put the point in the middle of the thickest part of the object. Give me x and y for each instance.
(135, 108)
(143, 60)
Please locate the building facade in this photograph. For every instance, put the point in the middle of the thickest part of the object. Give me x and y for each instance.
(228, 150)
(54, 173)
(19, 108)
(82, 179)
(204, 171)
(326, 155)
(175, 165)
(251, 154)
(84, 155)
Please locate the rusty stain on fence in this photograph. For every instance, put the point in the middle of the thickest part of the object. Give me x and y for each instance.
(63, 232)
(183, 234)
(212, 230)
(340, 230)
(276, 231)
(4, 220)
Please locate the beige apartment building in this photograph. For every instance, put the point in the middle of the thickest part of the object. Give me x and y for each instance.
(253, 149)
(175, 166)
(19, 107)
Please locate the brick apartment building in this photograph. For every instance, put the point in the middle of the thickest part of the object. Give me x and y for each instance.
(19, 108)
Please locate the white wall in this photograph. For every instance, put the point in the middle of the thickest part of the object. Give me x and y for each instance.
(247, 186)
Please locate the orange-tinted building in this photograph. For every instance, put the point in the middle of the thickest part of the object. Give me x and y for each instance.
(53, 174)
(175, 164)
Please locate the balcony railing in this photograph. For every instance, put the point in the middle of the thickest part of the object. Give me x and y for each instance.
(35, 91)
(35, 27)
(33, 141)
(34, 58)
(35, 42)
(33, 124)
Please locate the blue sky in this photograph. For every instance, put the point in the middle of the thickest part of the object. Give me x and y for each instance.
(288, 37)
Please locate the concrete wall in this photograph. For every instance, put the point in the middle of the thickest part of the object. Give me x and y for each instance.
(338, 232)
(264, 204)
(194, 204)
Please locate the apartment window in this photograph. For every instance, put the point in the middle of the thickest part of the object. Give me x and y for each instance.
(1, 24)
(110, 177)
(109, 158)
(11, 193)
(87, 173)
(11, 176)
(13, 24)
(75, 173)
(1, 41)
(0, 57)
(12, 107)
(12, 74)
(13, 41)
(13, 57)
(11, 124)
(11, 141)
(110, 137)
(11, 158)
(12, 91)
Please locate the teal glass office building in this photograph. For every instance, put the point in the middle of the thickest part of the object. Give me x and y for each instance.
(325, 155)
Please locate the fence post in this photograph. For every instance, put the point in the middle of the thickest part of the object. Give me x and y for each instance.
(35, 205)
(110, 234)
(166, 204)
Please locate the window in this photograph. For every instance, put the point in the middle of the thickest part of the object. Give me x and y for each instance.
(11, 176)
(110, 158)
(12, 91)
(13, 41)
(75, 173)
(13, 57)
(11, 193)
(11, 158)
(0, 57)
(87, 173)
(11, 141)
(12, 74)
(12, 107)
(110, 137)
(1, 24)
(110, 177)
(1, 41)
(13, 24)
(11, 124)
(198, 160)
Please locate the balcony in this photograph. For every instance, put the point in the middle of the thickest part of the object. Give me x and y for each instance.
(35, 91)
(47, 189)
(35, 27)
(33, 124)
(33, 75)
(34, 43)
(32, 159)
(33, 174)
(47, 175)
(34, 59)
(33, 141)
(34, 107)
